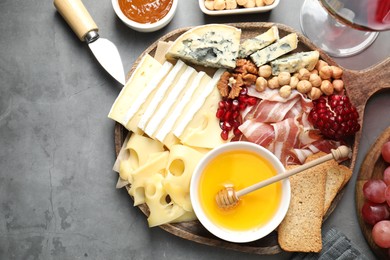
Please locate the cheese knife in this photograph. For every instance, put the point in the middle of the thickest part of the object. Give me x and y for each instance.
(81, 22)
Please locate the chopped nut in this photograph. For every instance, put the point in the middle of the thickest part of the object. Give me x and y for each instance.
(285, 91)
(249, 79)
(235, 87)
(223, 84)
(261, 84)
(245, 66)
(304, 86)
(327, 87)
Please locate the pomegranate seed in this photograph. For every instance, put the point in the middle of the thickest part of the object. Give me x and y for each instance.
(224, 135)
(243, 91)
(251, 101)
(236, 114)
(242, 106)
(236, 131)
(235, 104)
(228, 116)
(227, 126)
(220, 113)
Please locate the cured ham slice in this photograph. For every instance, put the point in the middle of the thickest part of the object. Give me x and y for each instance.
(282, 126)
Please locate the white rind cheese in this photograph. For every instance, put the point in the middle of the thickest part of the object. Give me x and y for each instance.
(199, 102)
(141, 76)
(169, 102)
(152, 85)
(275, 50)
(259, 42)
(212, 45)
(170, 80)
(293, 62)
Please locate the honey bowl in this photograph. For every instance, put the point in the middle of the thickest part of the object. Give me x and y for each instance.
(145, 16)
(239, 164)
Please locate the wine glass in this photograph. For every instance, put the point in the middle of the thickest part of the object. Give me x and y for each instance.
(344, 28)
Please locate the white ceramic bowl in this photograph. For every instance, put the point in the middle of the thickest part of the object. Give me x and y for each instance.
(250, 10)
(234, 235)
(151, 27)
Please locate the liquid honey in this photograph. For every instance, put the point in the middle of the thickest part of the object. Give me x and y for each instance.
(240, 169)
(145, 11)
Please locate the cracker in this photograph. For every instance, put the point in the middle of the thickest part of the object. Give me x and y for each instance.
(300, 231)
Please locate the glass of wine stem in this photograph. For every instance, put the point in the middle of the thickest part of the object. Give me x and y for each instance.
(344, 28)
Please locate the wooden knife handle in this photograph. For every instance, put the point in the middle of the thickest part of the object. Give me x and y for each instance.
(77, 16)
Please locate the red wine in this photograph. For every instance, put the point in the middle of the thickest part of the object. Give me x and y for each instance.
(372, 15)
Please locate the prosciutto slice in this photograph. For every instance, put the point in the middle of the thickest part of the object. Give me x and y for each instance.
(281, 125)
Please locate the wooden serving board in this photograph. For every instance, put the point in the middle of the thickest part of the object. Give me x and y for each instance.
(372, 167)
(360, 85)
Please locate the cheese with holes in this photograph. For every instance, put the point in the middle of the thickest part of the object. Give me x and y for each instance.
(275, 50)
(137, 151)
(212, 45)
(294, 62)
(181, 164)
(259, 42)
(141, 76)
(170, 80)
(168, 105)
(156, 164)
(161, 211)
(196, 87)
(204, 129)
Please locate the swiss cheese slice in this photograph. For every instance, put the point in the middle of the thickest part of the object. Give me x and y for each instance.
(141, 76)
(156, 165)
(181, 164)
(212, 45)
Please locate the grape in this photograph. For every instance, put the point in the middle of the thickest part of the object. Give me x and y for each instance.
(381, 233)
(387, 195)
(386, 151)
(386, 175)
(374, 212)
(374, 191)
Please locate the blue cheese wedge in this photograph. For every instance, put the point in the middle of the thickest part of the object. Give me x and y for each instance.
(259, 42)
(294, 62)
(212, 45)
(275, 50)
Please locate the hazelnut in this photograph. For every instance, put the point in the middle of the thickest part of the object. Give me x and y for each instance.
(304, 86)
(265, 71)
(250, 4)
(320, 64)
(269, 2)
(285, 91)
(327, 87)
(338, 85)
(273, 83)
(284, 78)
(336, 72)
(219, 4)
(209, 4)
(314, 71)
(326, 72)
(260, 3)
(315, 80)
(304, 74)
(231, 4)
(294, 82)
(261, 84)
(314, 93)
(242, 2)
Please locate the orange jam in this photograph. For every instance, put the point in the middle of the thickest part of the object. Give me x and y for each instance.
(145, 11)
(240, 169)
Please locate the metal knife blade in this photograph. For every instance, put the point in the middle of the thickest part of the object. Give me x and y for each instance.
(81, 22)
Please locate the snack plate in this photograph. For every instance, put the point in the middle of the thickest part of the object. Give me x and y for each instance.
(372, 168)
(249, 10)
(373, 80)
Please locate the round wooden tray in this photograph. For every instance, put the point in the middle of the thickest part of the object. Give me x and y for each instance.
(360, 85)
(372, 167)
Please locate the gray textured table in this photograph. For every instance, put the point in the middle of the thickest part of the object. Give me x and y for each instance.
(57, 190)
